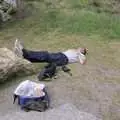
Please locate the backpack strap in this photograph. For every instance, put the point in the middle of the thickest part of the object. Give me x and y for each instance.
(14, 98)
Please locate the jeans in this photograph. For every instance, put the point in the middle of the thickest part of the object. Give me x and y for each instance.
(44, 56)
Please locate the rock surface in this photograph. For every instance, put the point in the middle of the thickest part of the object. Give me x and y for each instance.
(11, 65)
(7, 8)
(64, 112)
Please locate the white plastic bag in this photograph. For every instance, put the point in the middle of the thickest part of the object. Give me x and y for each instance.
(30, 89)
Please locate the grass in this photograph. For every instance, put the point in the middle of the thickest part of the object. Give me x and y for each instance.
(59, 25)
(66, 20)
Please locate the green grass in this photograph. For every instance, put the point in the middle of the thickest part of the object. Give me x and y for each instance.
(47, 18)
(49, 27)
(53, 25)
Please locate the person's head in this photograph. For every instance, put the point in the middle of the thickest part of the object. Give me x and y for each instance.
(83, 50)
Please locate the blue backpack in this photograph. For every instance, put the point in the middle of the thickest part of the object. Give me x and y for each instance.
(33, 103)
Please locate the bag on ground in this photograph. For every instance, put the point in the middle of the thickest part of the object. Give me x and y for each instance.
(31, 96)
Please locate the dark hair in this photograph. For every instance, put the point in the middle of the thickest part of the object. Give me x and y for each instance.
(84, 52)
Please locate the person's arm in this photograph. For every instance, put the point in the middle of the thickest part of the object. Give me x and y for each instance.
(67, 70)
(82, 59)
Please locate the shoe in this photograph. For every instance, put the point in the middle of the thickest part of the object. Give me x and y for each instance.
(41, 75)
(18, 47)
(44, 76)
(65, 69)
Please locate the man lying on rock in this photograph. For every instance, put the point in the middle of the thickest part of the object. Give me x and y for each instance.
(53, 59)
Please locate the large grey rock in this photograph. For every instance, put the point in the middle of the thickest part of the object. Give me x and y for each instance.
(11, 65)
(64, 112)
(11, 2)
(7, 7)
(4, 16)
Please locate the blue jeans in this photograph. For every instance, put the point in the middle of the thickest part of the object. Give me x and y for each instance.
(44, 56)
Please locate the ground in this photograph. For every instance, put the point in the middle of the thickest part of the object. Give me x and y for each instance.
(94, 87)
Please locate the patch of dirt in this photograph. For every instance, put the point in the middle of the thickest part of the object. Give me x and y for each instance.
(93, 88)
(89, 89)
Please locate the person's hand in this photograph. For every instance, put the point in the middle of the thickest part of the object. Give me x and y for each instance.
(82, 59)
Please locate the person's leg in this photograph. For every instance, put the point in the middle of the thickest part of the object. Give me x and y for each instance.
(59, 59)
(47, 72)
(36, 56)
(18, 48)
(33, 56)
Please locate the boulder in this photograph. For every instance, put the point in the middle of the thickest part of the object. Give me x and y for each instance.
(11, 65)
(4, 16)
(7, 7)
(13, 3)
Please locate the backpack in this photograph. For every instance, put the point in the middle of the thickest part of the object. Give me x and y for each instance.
(37, 104)
(31, 103)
